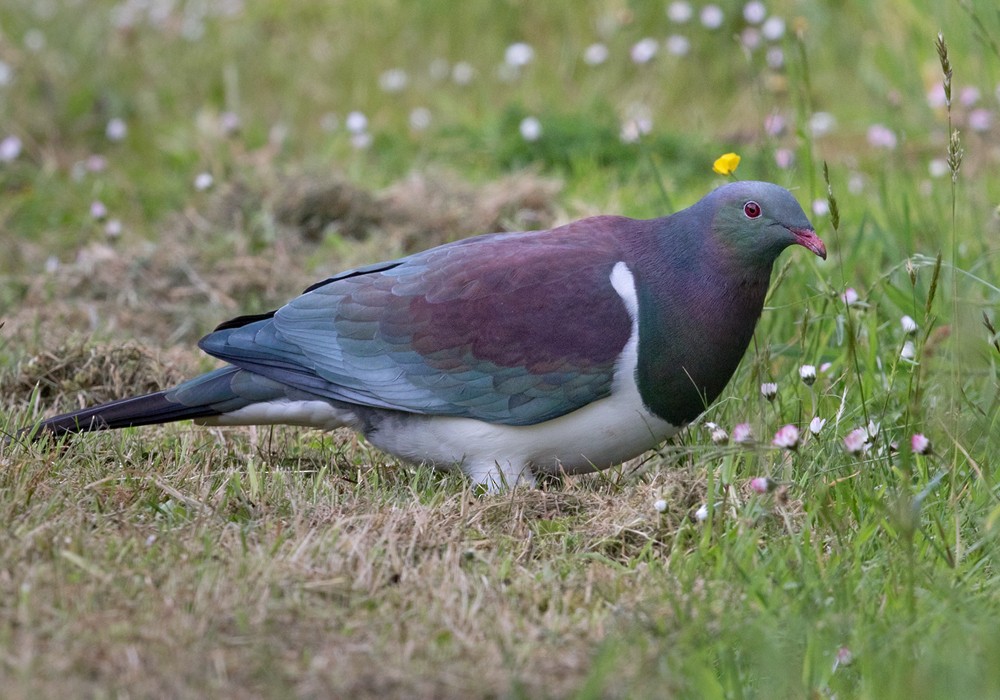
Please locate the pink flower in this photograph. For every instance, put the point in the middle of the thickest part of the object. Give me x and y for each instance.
(760, 484)
(850, 296)
(787, 437)
(855, 440)
(742, 434)
(920, 444)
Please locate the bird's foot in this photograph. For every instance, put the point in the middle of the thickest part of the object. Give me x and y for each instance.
(498, 477)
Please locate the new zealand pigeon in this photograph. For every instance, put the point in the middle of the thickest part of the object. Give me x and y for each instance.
(508, 354)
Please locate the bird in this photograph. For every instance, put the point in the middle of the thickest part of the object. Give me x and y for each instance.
(508, 356)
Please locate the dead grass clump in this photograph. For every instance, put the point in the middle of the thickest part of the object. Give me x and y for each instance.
(311, 205)
(425, 210)
(92, 373)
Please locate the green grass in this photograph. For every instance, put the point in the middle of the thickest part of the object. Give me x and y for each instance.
(188, 562)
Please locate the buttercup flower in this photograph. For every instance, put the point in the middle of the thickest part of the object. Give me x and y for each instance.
(726, 164)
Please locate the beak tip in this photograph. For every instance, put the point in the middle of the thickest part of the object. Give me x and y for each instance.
(807, 238)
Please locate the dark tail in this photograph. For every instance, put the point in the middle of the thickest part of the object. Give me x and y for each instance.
(209, 395)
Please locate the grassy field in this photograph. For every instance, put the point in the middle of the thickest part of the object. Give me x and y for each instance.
(167, 165)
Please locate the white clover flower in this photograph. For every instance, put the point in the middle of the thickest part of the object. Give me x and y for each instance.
(850, 296)
(775, 124)
(787, 437)
(677, 45)
(769, 390)
(909, 351)
(97, 210)
(908, 324)
(711, 16)
(969, 95)
(203, 181)
(938, 167)
(356, 122)
(816, 425)
(936, 96)
(679, 12)
(701, 515)
(775, 58)
(518, 55)
(595, 54)
(439, 69)
(821, 207)
(393, 80)
(644, 50)
(530, 128)
(750, 38)
(854, 441)
(660, 505)
(822, 123)
(229, 123)
(773, 29)
(807, 373)
(980, 120)
(754, 12)
(784, 158)
(462, 73)
(361, 140)
(742, 434)
(420, 118)
(881, 136)
(116, 130)
(34, 40)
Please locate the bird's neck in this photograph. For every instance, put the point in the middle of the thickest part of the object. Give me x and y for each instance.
(695, 324)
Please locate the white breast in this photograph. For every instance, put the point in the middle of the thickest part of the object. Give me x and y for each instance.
(597, 436)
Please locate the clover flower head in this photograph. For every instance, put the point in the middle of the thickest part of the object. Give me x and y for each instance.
(787, 437)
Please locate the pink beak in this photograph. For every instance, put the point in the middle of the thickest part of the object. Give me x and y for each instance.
(807, 238)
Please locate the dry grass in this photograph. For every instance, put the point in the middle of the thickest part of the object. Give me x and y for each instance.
(210, 566)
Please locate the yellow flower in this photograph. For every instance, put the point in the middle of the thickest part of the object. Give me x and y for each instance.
(726, 164)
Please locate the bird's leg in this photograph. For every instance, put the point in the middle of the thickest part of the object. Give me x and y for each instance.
(499, 476)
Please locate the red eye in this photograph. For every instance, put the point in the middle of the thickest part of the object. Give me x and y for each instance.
(751, 209)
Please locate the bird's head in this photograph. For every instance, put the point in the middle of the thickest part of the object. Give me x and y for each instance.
(753, 222)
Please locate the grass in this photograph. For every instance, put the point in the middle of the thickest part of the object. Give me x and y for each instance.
(176, 561)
